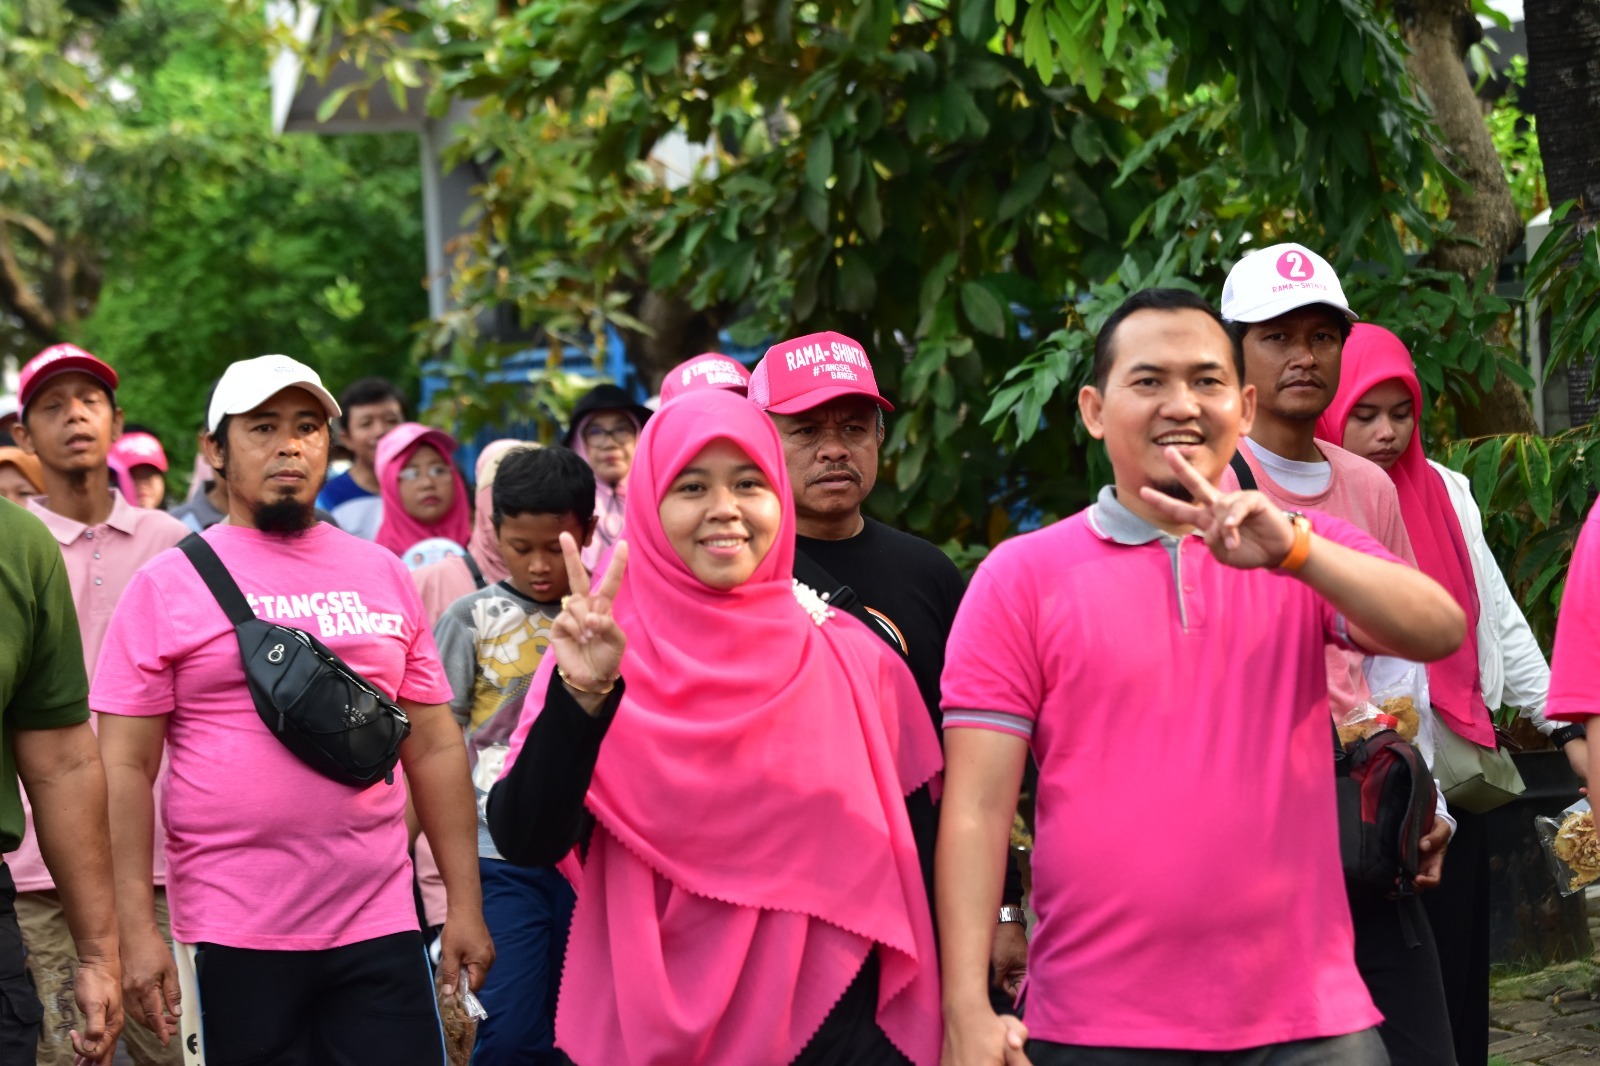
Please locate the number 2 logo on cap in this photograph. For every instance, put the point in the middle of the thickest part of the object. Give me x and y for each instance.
(1295, 266)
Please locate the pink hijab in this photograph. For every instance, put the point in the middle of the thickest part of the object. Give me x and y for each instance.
(398, 530)
(752, 844)
(442, 583)
(1372, 356)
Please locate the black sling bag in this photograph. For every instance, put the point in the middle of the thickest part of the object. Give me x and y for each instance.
(328, 715)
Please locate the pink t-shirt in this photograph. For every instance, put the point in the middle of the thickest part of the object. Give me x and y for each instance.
(1186, 874)
(1575, 667)
(262, 851)
(1360, 493)
(100, 561)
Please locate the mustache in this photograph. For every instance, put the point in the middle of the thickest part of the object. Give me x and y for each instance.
(836, 468)
(1304, 379)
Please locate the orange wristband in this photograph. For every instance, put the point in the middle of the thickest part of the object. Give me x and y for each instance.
(1300, 550)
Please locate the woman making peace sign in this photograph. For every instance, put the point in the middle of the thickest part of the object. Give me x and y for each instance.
(750, 887)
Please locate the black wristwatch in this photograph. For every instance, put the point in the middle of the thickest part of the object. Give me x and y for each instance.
(1567, 734)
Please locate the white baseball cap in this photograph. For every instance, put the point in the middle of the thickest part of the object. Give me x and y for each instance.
(249, 383)
(1280, 279)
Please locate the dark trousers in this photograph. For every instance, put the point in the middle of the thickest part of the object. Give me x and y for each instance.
(363, 1003)
(528, 911)
(1356, 1049)
(1458, 912)
(20, 1009)
(1397, 958)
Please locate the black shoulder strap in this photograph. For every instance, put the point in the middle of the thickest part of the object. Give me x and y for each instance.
(472, 567)
(217, 579)
(1242, 471)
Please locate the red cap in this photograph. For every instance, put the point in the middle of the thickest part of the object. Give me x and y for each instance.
(808, 371)
(1387, 721)
(59, 359)
(711, 370)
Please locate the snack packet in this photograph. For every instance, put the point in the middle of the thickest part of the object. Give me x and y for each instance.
(1571, 846)
(460, 1014)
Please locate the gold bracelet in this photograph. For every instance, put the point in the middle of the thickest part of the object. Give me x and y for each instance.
(567, 681)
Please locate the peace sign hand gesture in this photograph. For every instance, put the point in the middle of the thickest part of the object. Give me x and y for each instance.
(585, 639)
(1244, 530)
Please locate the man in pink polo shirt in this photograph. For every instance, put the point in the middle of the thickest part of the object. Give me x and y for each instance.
(292, 891)
(70, 421)
(1164, 660)
(1287, 308)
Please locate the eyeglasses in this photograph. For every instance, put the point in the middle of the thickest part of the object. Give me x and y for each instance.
(595, 436)
(411, 473)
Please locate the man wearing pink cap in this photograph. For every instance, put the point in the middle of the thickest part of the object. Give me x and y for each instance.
(70, 421)
(823, 396)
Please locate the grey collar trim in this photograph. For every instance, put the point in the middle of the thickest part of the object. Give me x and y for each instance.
(1111, 520)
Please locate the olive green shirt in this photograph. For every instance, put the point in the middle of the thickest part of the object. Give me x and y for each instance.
(42, 682)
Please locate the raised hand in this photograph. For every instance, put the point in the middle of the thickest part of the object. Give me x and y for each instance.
(586, 640)
(1244, 530)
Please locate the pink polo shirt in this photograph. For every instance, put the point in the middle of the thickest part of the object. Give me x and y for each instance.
(100, 561)
(1360, 493)
(263, 852)
(1575, 667)
(1186, 874)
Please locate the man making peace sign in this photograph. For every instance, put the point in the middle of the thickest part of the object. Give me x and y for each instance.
(1162, 654)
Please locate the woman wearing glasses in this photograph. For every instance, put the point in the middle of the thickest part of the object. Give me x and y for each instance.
(425, 509)
(605, 427)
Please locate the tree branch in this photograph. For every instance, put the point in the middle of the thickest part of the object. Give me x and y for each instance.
(15, 292)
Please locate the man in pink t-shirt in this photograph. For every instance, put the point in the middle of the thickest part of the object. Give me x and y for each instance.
(1287, 308)
(292, 891)
(1164, 662)
(1575, 667)
(70, 422)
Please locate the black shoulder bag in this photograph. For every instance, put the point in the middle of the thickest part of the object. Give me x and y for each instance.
(331, 717)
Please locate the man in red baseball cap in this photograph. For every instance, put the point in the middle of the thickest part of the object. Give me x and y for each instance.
(70, 422)
(823, 397)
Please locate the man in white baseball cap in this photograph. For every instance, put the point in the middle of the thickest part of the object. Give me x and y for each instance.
(1287, 307)
(292, 892)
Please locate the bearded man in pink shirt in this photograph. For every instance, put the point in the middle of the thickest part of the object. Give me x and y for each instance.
(291, 892)
(71, 422)
(1162, 654)
(1288, 309)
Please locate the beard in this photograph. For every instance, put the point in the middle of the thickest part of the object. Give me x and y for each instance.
(285, 516)
(1176, 489)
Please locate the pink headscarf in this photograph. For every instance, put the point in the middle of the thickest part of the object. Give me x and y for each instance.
(483, 545)
(752, 844)
(1372, 356)
(399, 530)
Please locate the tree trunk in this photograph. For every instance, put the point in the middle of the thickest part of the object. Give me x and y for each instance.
(1564, 82)
(1439, 33)
(679, 333)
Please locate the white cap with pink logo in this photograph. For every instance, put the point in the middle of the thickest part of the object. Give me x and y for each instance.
(1280, 279)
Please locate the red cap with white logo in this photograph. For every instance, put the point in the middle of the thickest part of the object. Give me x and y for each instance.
(808, 371)
(61, 359)
(711, 370)
(1280, 279)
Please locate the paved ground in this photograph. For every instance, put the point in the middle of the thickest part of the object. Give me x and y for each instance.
(1549, 1018)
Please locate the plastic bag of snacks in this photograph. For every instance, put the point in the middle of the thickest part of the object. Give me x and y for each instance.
(460, 1014)
(1572, 847)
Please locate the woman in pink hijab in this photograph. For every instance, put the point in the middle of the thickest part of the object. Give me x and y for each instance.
(1377, 414)
(424, 497)
(739, 770)
(442, 583)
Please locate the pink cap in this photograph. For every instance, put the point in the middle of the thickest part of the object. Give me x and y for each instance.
(808, 371)
(139, 449)
(59, 359)
(710, 370)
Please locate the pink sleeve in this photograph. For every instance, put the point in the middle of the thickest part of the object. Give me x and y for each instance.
(1576, 663)
(537, 687)
(425, 680)
(1341, 532)
(992, 675)
(134, 676)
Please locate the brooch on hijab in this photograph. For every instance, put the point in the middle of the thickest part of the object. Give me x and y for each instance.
(812, 602)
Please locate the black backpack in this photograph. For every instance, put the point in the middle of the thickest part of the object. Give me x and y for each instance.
(1386, 807)
(333, 719)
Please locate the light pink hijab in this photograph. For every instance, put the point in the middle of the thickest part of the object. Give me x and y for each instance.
(399, 530)
(442, 583)
(752, 844)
